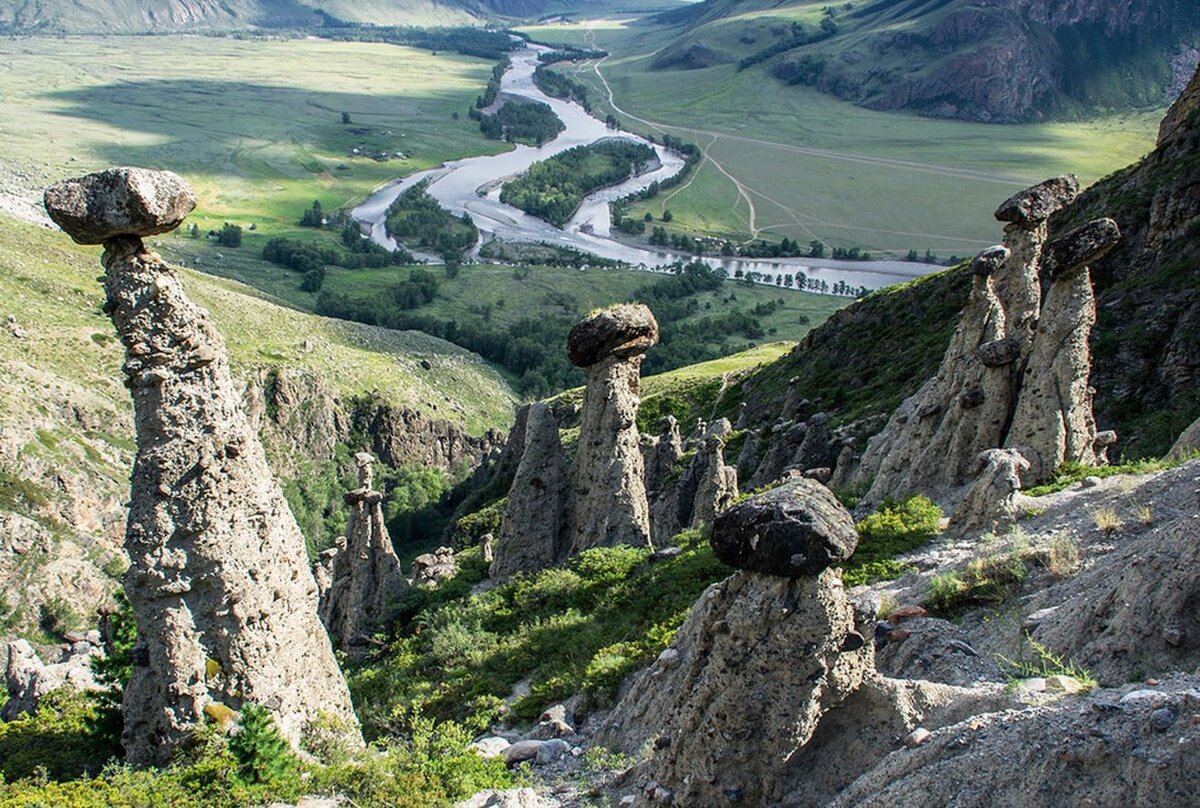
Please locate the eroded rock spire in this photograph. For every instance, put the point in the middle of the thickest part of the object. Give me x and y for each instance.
(365, 575)
(225, 603)
(608, 491)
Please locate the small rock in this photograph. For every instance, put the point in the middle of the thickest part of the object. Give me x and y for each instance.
(1091, 481)
(1063, 684)
(663, 794)
(492, 747)
(550, 751)
(917, 737)
(1035, 619)
(961, 647)
(521, 751)
(897, 635)
(910, 612)
(1135, 696)
(1162, 718)
(628, 799)
(668, 659)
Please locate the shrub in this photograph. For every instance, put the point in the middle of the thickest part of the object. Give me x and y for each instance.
(984, 580)
(262, 754)
(894, 529)
(61, 741)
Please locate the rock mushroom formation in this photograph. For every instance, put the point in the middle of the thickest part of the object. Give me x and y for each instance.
(225, 603)
(531, 533)
(1016, 372)
(762, 656)
(430, 569)
(688, 499)
(1053, 421)
(365, 575)
(608, 503)
(991, 502)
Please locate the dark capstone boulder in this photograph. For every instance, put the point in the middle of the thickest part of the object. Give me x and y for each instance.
(1035, 205)
(999, 352)
(119, 202)
(1081, 247)
(625, 330)
(990, 260)
(797, 529)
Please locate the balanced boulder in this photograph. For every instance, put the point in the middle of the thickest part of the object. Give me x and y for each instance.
(608, 504)
(219, 582)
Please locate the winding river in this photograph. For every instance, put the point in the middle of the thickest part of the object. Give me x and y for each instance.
(472, 185)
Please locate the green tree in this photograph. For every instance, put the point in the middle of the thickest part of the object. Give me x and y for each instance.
(667, 216)
(230, 235)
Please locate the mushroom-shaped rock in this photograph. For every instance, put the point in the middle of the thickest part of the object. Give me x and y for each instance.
(625, 330)
(990, 260)
(119, 202)
(1035, 205)
(797, 529)
(1080, 247)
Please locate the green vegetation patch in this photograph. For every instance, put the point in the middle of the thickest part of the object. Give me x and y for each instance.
(896, 528)
(416, 219)
(579, 628)
(1070, 473)
(553, 189)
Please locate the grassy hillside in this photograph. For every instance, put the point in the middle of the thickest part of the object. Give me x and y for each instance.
(791, 161)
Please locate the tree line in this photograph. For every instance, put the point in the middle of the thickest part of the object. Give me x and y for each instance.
(416, 219)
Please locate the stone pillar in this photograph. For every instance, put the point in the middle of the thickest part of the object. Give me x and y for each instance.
(608, 492)
(366, 574)
(1053, 422)
(225, 602)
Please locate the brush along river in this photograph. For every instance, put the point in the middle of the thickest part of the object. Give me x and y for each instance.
(472, 186)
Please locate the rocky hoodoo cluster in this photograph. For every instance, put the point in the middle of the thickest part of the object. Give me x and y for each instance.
(687, 495)
(761, 658)
(219, 581)
(555, 511)
(1015, 375)
(27, 679)
(364, 572)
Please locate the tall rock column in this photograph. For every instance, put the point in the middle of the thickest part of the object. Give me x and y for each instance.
(1053, 422)
(225, 603)
(531, 533)
(608, 491)
(366, 574)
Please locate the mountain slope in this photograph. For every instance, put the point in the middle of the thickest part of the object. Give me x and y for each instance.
(161, 16)
(987, 60)
(1145, 346)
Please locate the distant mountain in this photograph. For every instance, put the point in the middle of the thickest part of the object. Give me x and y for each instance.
(987, 60)
(162, 16)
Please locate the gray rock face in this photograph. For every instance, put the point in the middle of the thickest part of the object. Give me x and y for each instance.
(797, 529)
(1053, 422)
(365, 575)
(1016, 372)
(119, 202)
(1102, 749)
(430, 569)
(531, 533)
(608, 504)
(27, 679)
(219, 582)
(991, 502)
(705, 488)
(1187, 444)
(757, 663)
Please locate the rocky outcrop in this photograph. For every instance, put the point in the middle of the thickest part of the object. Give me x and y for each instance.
(1181, 117)
(1187, 444)
(365, 575)
(28, 679)
(756, 664)
(796, 529)
(991, 502)
(608, 505)
(532, 531)
(704, 488)
(1127, 747)
(1053, 421)
(1016, 372)
(430, 569)
(219, 582)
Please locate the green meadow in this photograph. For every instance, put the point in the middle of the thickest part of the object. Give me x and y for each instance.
(254, 124)
(790, 161)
